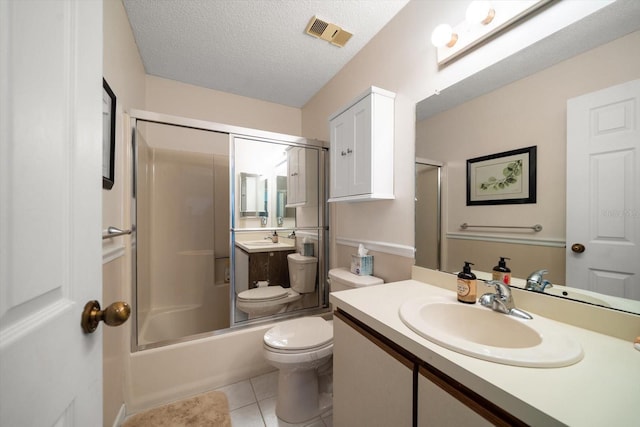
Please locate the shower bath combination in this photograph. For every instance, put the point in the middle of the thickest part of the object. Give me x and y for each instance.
(200, 190)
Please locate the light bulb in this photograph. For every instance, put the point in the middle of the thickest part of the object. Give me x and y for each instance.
(480, 12)
(443, 35)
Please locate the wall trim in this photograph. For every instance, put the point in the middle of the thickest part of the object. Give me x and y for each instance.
(554, 243)
(384, 247)
(111, 253)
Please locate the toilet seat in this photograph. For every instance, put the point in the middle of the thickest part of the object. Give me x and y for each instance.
(300, 336)
(265, 293)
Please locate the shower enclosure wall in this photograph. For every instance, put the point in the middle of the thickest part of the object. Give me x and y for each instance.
(198, 189)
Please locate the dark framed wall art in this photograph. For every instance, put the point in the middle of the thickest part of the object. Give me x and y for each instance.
(502, 178)
(108, 136)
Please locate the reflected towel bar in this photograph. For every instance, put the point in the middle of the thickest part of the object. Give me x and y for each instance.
(536, 227)
(114, 232)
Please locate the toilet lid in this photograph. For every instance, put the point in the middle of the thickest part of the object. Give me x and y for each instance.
(299, 334)
(265, 293)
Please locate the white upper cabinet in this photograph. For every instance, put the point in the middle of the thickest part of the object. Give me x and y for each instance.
(362, 148)
(302, 177)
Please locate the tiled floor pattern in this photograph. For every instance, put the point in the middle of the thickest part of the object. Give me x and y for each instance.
(253, 404)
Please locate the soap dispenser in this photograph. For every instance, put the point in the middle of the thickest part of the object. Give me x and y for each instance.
(501, 272)
(467, 286)
(274, 238)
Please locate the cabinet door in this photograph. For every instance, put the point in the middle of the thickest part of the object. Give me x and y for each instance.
(437, 408)
(293, 176)
(359, 152)
(341, 147)
(443, 402)
(371, 387)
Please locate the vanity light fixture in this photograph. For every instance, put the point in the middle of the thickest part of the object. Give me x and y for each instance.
(480, 12)
(483, 19)
(443, 35)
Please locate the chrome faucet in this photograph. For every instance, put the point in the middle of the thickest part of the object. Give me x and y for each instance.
(502, 300)
(536, 283)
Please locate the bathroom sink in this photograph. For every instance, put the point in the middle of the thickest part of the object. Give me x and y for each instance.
(263, 246)
(259, 243)
(479, 332)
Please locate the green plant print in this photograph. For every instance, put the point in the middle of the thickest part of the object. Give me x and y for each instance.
(511, 173)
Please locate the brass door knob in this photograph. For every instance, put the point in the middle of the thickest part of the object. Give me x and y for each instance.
(577, 248)
(114, 315)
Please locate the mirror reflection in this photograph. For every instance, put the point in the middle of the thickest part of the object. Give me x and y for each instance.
(191, 274)
(427, 214)
(254, 191)
(279, 264)
(530, 111)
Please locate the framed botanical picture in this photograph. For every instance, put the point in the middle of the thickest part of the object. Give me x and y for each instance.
(502, 178)
(108, 135)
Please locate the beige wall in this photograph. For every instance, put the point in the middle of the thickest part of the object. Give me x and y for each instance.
(180, 99)
(124, 72)
(528, 112)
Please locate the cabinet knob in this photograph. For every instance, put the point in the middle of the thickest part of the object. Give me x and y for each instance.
(349, 151)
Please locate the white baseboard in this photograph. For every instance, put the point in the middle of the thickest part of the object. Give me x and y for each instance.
(554, 243)
(384, 247)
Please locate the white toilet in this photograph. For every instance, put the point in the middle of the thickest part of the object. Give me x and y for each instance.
(301, 349)
(265, 300)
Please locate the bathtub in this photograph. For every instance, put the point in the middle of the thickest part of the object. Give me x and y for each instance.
(165, 374)
(176, 322)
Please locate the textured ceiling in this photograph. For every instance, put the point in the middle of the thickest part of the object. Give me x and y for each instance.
(254, 48)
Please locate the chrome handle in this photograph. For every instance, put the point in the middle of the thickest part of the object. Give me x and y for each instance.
(114, 315)
(349, 151)
(115, 232)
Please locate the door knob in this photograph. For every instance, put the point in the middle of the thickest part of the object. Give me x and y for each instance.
(577, 248)
(114, 315)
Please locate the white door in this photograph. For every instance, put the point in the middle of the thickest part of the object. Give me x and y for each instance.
(50, 211)
(603, 191)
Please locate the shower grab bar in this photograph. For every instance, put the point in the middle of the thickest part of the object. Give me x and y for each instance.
(115, 232)
(536, 227)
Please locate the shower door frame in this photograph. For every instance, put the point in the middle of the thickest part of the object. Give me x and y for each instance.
(232, 132)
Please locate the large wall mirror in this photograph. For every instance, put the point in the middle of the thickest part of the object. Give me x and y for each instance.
(520, 103)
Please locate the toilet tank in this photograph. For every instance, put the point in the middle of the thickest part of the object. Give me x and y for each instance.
(302, 272)
(342, 279)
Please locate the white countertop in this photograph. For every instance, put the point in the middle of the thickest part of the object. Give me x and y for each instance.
(603, 389)
(254, 246)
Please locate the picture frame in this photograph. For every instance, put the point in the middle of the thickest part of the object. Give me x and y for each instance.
(502, 178)
(108, 136)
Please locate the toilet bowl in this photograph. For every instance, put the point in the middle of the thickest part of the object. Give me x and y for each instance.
(302, 351)
(266, 300)
(298, 348)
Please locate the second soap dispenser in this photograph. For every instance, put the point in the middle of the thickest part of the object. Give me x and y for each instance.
(501, 272)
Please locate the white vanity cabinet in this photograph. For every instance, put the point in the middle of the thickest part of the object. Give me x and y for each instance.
(370, 386)
(378, 383)
(362, 136)
(302, 177)
(438, 408)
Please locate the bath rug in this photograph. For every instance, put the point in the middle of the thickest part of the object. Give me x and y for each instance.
(208, 409)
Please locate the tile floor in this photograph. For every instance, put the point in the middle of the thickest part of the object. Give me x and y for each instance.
(253, 404)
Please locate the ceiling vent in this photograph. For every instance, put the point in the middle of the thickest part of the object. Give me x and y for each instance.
(327, 31)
